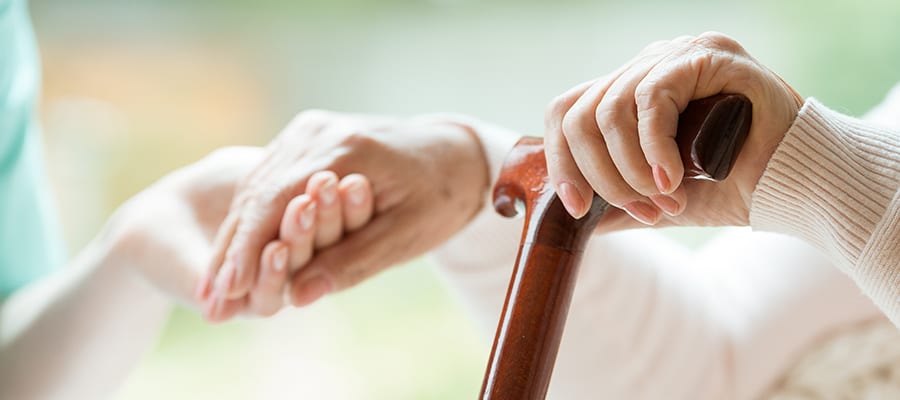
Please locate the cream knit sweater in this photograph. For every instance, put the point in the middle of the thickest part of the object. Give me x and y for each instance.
(653, 320)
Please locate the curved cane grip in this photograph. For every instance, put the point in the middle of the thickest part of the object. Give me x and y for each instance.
(710, 134)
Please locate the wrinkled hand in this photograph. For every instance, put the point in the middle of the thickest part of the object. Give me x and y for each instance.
(615, 135)
(312, 221)
(428, 180)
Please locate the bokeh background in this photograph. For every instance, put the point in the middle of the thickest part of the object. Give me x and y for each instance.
(136, 88)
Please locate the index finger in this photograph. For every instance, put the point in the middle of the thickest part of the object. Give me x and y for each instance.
(220, 245)
(665, 92)
(571, 186)
(258, 223)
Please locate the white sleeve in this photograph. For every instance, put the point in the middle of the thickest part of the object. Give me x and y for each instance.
(834, 181)
(652, 320)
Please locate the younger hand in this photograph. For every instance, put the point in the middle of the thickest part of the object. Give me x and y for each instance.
(165, 233)
(615, 135)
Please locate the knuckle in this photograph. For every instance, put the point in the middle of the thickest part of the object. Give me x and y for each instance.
(702, 59)
(717, 41)
(275, 196)
(649, 95)
(256, 210)
(359, 139)
(353, 148)
(557, 108)
(606, 121)
(572, 125)
(612, 113)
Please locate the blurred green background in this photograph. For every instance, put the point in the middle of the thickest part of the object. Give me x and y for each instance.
(136, 88)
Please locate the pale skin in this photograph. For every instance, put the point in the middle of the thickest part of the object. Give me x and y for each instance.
(330, 208)
(612, 135)
(72, 333)
(115, 295)
(425, 179)
(412, 164)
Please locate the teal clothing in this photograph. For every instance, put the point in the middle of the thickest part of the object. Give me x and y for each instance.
(30, 240)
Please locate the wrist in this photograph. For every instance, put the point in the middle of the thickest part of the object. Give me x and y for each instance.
(492, 143)
(108, 260)
(470, 158)
(132, 248)
(828, 182)
(780, 119)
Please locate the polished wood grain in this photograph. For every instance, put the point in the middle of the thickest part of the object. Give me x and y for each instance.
(710, 134)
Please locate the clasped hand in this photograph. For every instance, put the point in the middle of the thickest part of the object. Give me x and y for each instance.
(336, 198)
(305, 219)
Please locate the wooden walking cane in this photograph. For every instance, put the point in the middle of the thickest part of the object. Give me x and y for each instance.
(710, 134)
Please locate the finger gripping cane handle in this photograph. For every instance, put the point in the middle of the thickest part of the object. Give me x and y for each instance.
(710, 134)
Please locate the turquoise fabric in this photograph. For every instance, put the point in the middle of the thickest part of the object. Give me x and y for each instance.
(30, 242)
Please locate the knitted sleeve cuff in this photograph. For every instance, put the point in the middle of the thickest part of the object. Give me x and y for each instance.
(833, 181)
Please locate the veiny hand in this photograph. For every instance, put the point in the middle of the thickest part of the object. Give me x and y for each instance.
(428, 180)
(615, 135)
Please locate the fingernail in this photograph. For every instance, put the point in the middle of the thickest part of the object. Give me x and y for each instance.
(666, 203)
(308, 216)
(280, 259)
(642, 212)
(357, 194)
(328, 193)
(312, 290)
(661, 179)
(571, 199)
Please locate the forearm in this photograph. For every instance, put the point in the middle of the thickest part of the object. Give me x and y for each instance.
(724, 323)
(636, 315)
(77, 333)
(710, 325)
(834, 183)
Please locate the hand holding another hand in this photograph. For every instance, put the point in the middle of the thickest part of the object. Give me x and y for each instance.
(312, 221)
(428, 178)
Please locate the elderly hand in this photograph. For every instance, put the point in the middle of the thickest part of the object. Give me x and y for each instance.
(615, 135)
(428, 179)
